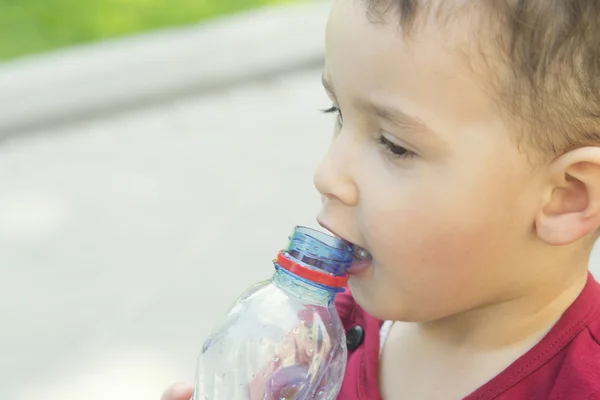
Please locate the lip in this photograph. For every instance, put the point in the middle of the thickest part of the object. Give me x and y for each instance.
(357, 266)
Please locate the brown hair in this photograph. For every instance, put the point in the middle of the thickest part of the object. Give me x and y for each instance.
(550, 50)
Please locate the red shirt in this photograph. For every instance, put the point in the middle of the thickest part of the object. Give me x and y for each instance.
(564, 365)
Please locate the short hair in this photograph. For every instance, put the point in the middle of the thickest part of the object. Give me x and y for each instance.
(549, 53)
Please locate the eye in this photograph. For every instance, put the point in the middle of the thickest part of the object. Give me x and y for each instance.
(335, 110)
(394, 149)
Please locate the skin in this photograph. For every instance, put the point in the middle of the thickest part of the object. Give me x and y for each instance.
(477, 248)
(178, 391)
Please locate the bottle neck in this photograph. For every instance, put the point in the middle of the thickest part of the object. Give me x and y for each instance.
(303, 289)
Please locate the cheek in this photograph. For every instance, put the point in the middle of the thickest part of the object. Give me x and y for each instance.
(441, 241)
(419, 244)
(433, 263)
(446, 235)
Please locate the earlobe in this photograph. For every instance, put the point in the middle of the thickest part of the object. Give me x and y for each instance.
(571, 207)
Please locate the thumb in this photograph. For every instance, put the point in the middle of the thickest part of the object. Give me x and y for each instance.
(178, 391)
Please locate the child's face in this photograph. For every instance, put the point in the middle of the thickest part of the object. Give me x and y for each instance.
(450, 228)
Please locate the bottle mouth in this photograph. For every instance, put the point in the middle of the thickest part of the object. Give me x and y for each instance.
(317, 257)
(313, 236)
(320, 250)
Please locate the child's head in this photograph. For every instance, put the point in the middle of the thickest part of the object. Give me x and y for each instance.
(464, 156)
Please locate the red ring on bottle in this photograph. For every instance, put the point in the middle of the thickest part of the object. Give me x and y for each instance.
(321, 277)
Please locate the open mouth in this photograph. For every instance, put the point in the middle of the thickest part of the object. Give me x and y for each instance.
(362, 258)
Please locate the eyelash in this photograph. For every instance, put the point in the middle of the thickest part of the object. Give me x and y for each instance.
(392, 148)
(334, 110)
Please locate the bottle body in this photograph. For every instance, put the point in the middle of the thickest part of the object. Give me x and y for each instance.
(283, 338)
(274, 345)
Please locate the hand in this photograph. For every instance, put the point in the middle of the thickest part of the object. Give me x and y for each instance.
(179, 391)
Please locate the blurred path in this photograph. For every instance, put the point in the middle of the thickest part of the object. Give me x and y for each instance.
(123, 239)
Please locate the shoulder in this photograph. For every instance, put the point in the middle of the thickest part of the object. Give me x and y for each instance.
(579, 374)
(584, 352)
(594, 332)
(362, 340)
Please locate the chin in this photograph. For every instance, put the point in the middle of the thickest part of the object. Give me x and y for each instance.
(374, 302)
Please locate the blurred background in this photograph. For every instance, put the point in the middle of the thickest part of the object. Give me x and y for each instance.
(154, 156)
(33, 26)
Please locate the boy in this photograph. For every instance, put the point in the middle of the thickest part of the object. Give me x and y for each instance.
(466, 170)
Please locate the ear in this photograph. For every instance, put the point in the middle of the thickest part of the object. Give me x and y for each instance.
(571, 205)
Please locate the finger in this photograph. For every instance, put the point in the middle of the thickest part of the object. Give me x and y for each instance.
(179, 391)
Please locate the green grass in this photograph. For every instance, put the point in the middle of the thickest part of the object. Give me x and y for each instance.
(33, 26)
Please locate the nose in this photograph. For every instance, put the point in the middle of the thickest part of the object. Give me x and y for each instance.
(333, 177)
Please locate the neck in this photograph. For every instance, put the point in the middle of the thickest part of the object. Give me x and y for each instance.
(464, 351)
(510, 323)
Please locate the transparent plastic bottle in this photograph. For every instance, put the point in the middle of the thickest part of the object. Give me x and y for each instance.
(283, 338)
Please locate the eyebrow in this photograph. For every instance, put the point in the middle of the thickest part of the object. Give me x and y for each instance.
(395, 116)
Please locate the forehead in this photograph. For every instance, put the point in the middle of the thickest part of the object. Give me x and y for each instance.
(428, 74)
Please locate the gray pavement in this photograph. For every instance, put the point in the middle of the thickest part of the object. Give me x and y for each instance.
(123, 240)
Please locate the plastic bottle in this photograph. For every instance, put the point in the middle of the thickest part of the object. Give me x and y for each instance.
(283, 338)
